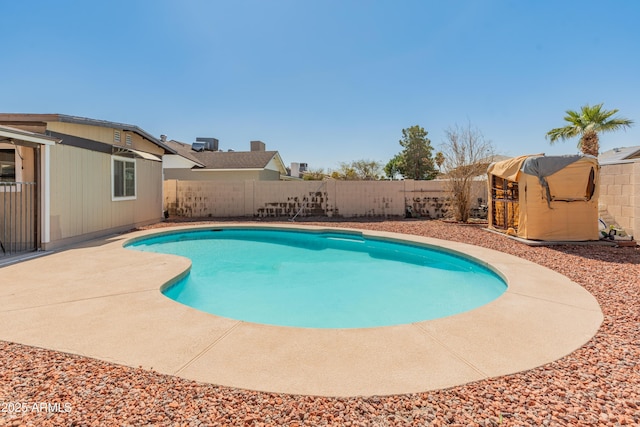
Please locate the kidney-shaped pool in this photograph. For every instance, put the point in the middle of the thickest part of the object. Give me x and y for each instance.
(321, 279)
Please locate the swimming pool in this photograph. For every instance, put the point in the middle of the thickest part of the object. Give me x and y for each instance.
(322, 279)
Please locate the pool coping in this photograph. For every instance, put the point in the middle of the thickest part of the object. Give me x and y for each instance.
(120, 316)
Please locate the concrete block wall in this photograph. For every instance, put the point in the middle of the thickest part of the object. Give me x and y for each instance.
(368, 198)
(285, 199)
(332, 198)
(620, 194)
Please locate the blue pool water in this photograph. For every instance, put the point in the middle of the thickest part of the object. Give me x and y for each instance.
(320, 279)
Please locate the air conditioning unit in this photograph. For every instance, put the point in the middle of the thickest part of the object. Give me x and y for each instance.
(197, 146)
(210, 144)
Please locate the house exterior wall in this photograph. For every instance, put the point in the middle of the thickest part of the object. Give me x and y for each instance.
(173, 161)
(81, 205)
(105, 135)
(269, 175)
(620, 194)
(330, 198)
(275, 166)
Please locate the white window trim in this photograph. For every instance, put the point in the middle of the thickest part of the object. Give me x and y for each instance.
(135, 178)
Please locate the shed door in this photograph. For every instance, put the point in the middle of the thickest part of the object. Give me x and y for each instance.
(505, 203)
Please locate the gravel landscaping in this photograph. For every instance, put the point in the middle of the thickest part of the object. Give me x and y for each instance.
(598, 384)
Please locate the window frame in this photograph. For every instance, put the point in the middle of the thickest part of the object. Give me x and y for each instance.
(11, 186)
(124, 160)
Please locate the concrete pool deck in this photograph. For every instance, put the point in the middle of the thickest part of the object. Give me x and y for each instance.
(101, 300)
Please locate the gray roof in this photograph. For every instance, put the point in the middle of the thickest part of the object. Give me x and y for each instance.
(235, 159)
(224, 159)
(185, 151)
(617, 154)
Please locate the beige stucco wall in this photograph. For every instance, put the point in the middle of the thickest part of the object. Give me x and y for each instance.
(80, 196)
(313, 198)
(620, 194)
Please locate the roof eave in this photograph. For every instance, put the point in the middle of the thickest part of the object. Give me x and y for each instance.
(115, 125)
(280, 161)
(22, 135)
(44, 118)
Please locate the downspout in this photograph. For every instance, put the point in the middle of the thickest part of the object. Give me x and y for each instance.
(46, 196)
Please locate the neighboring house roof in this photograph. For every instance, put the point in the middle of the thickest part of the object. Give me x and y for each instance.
(228, 160)
(31, 118)
(184, 150)
(618, 154)
(238, 159)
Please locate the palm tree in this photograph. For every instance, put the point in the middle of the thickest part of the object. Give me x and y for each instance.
(587, 124)
(439, 159)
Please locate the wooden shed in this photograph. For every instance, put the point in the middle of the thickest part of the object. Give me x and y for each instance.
(548, 198)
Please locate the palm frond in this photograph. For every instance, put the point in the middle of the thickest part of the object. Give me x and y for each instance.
(589, 120)
(562, 133)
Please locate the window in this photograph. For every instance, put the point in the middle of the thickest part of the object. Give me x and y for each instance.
(123, 178)
(7, 165)
(10, 165)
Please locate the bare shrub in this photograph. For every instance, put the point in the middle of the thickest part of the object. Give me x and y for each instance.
(467, 154)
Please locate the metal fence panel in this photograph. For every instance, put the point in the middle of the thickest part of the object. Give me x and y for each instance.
(17, 217)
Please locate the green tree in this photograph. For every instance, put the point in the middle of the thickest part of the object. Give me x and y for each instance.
(368, 170)
(588, 123)
(393, 167)
(415, 160)
(439, 159)
(314, 175)
(365, 170)
(345, 172)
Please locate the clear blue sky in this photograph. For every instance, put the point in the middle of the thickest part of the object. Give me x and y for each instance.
(326, 81)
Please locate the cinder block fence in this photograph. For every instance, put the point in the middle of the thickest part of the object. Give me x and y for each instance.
(620, 194)
(332, 198)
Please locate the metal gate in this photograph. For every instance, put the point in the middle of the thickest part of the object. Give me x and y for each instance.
(18, 216)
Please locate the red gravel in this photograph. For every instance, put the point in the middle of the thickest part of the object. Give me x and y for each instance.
(598, 384)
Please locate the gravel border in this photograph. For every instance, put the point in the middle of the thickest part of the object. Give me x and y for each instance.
(598, 384)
